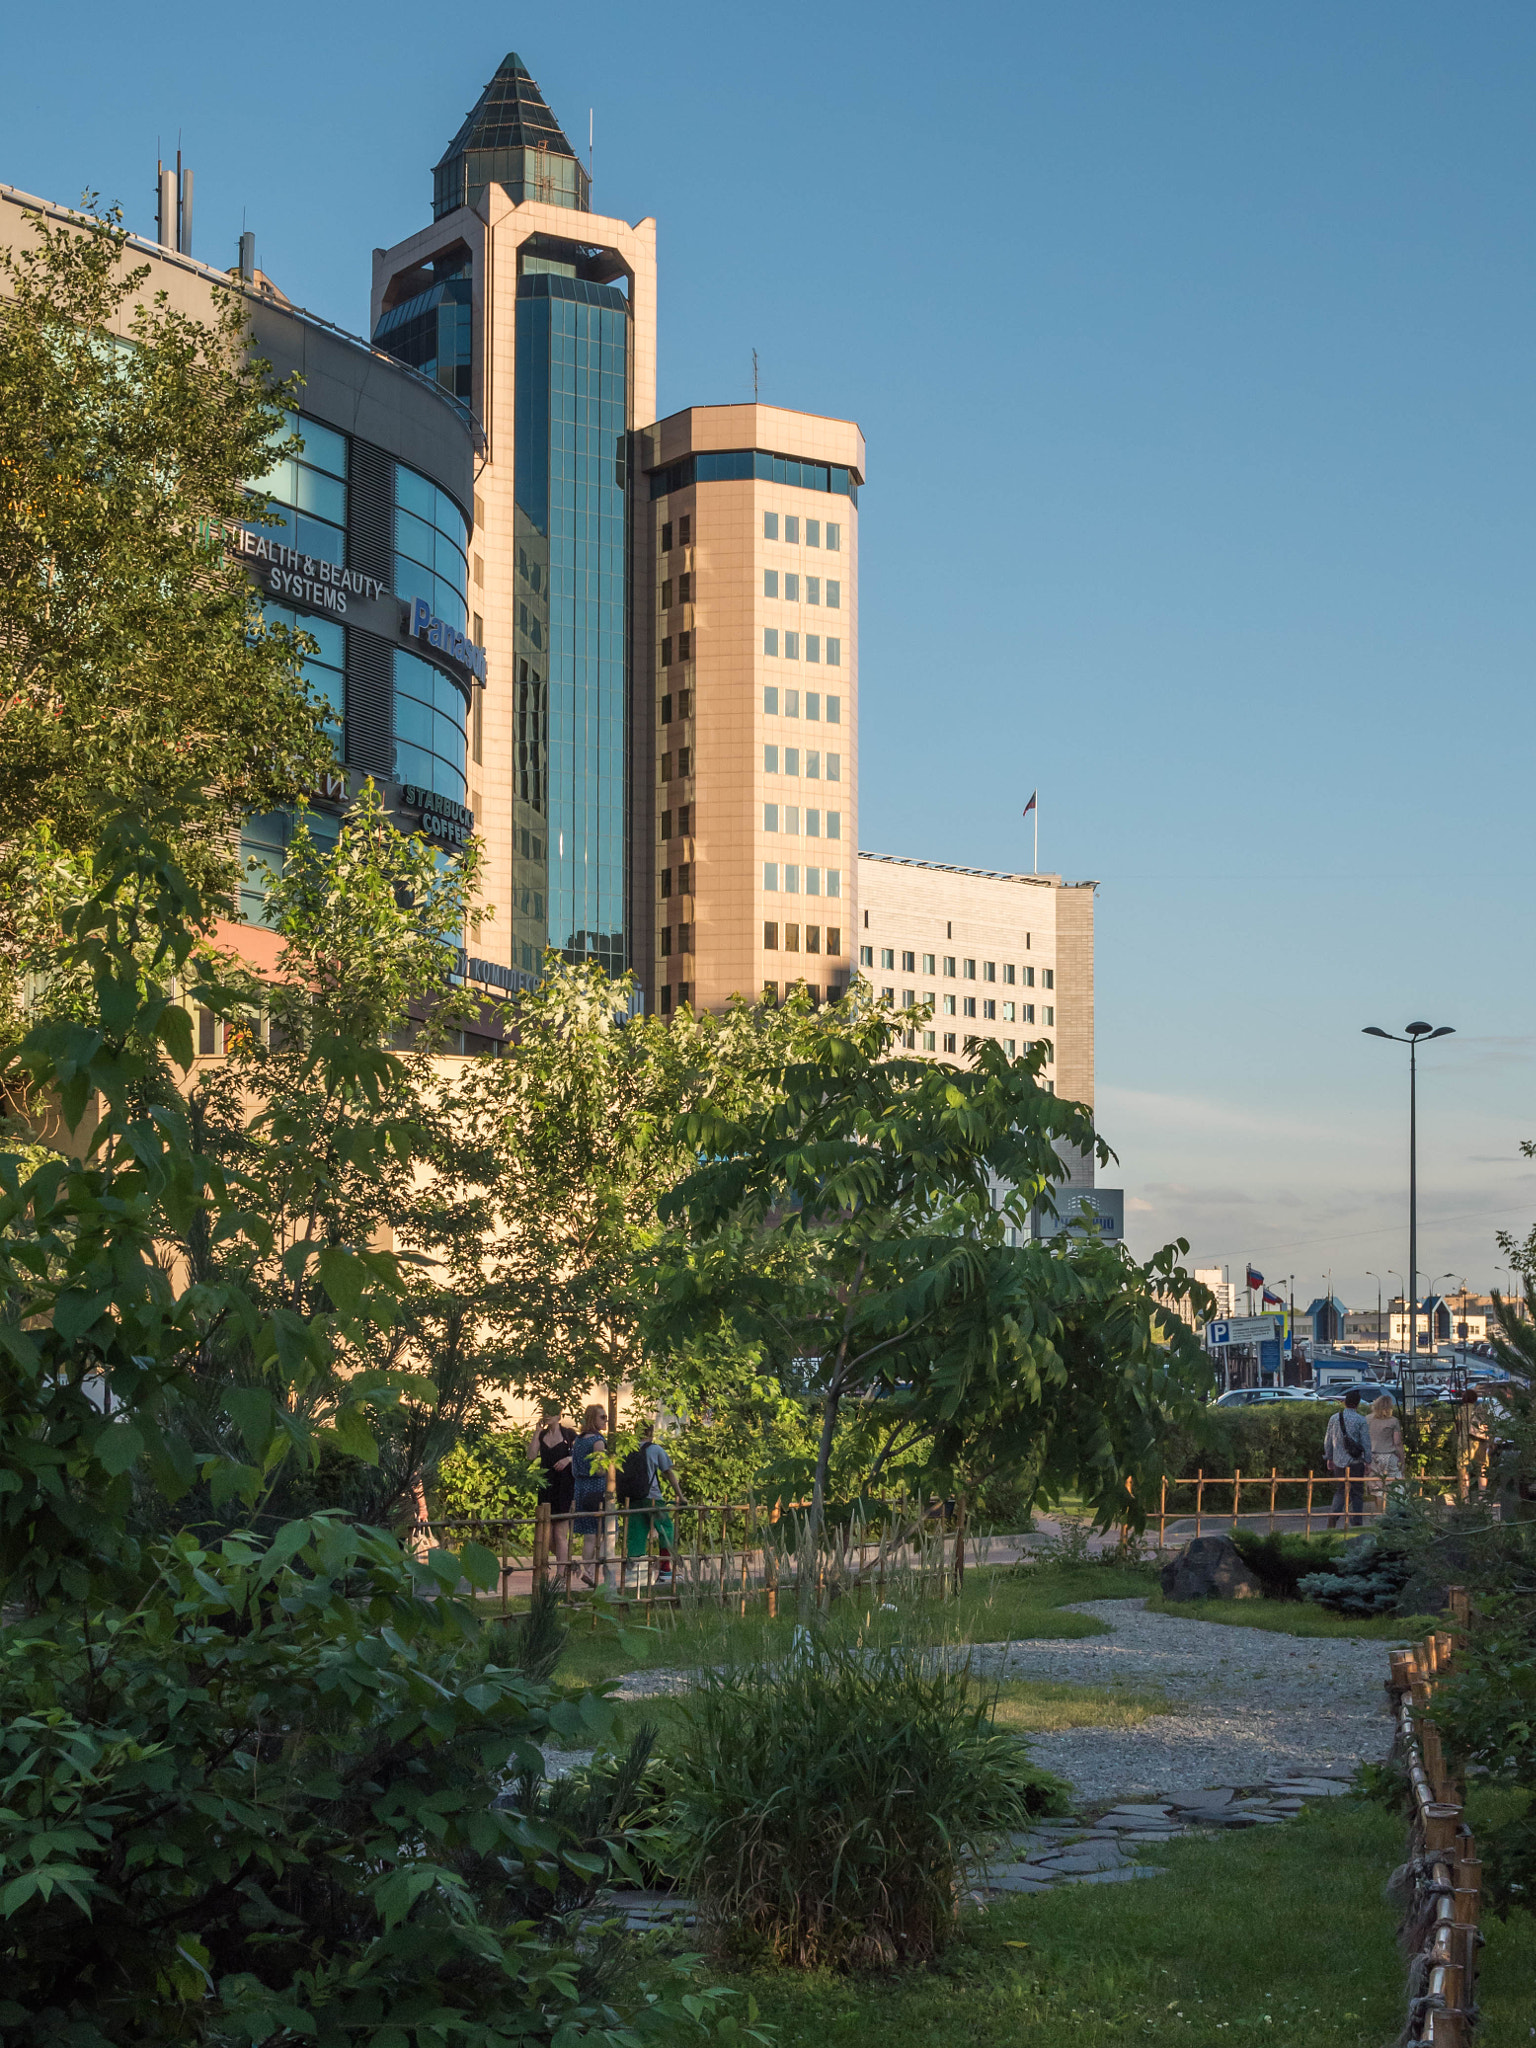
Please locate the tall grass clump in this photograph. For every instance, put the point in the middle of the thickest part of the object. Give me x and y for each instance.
(826, 1807)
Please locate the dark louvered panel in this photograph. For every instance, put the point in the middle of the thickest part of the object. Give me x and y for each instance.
(370, 664)
(370, 703)
(372, 533)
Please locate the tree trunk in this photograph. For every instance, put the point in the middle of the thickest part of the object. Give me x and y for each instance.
(829, 1408)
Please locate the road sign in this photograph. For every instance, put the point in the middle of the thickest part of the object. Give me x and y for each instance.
(1245, 1330)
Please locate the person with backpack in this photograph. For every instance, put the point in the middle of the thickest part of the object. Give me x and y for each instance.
(640, 1490)
(1347, 1450)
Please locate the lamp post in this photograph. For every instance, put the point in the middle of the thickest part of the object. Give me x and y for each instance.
(1410, 1036)
(1377, 1278)
(1290, 1330)
(1393, 1274)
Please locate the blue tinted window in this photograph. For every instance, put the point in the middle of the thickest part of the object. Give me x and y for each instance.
(430, 535)
(309, 491)
(325, 672)
(431, 720)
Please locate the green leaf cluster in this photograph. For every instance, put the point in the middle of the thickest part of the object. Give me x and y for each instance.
(135, 669)
(867, 1231)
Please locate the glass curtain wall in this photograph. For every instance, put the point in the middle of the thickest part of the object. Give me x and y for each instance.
(431, 711)
(572, 409)
(264, 839)
(433, 329)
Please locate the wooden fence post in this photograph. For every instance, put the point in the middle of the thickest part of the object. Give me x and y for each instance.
(541, 1542)
(1199, 1496)
(959, 1545)
(1237, 1486)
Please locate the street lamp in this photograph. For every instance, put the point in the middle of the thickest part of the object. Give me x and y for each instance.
(1410, 1036)
(1377, 1278)
(1393, 1274)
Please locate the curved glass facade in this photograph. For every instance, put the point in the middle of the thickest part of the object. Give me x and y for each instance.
(310, 492)
(325, 672)
(431, 720)
(431, 543)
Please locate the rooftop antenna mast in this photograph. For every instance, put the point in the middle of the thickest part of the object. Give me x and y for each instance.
(589, 151)
(754, 376)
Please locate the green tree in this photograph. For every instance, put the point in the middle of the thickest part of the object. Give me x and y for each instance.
(338, 1126)
(250, 1785)
(856, 1226)
(583, 1120)
(134, 668)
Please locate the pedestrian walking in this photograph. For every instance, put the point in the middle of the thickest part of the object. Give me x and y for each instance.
(589, 1460)
(640, 1482)
(1347, 1451)
(1386, 1443)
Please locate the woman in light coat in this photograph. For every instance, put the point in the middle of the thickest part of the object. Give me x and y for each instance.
(1386, 1442)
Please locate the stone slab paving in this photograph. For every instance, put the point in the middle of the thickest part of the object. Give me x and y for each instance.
(1107, 1850)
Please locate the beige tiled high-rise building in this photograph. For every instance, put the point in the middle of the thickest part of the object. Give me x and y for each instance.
(539, 316)
(745, 740)
(1000, 956)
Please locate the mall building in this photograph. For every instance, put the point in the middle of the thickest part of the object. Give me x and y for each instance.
(370, 558)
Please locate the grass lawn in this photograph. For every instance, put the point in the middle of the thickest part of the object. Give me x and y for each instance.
(1027, 1706)
(1296, 1618)
(1273, 1934)
(1023, 1707)
(1000, 1603)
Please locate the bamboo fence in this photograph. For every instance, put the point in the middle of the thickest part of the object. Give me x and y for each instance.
(1440, 1924)
(724, 1554)
(1297, 1503)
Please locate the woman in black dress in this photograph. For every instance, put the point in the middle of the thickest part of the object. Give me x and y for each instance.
(551, 1445)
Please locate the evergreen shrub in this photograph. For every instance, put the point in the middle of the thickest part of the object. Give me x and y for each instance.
(1279, 1561)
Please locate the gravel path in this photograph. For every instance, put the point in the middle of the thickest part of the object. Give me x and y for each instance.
(1252, 1705)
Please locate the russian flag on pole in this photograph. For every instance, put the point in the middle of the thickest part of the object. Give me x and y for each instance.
(1273, 1300)
(1255, 1277)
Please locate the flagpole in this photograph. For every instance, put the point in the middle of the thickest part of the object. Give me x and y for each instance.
(1036, 868)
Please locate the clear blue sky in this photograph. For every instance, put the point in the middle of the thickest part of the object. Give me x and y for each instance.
(1193, 344)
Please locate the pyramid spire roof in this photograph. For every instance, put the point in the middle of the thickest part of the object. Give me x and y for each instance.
(510, 138)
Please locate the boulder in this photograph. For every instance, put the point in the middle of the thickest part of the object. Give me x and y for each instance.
(1209, 1567)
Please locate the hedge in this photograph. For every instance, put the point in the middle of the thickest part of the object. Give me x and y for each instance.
(1287, 1437)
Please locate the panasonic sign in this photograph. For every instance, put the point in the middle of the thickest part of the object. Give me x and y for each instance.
(424, 624)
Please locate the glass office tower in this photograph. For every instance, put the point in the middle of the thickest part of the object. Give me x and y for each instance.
(539, 316)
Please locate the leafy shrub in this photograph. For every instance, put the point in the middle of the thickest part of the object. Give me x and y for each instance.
(825, 1808)
(1279, 1562)
(487, 1477)
(1486, 1712)
(262, 1805)
(1287, 1437)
